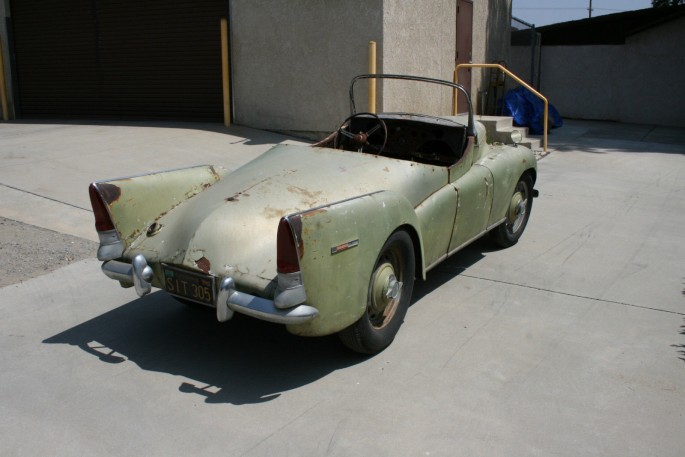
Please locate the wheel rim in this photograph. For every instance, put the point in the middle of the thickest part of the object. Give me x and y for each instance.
(517, 208)
(385, 292)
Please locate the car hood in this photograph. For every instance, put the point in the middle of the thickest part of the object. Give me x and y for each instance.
(230, 228)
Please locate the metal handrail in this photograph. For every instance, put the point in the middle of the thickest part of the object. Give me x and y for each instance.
(514, 77)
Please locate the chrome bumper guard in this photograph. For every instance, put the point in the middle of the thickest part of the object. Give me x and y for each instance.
(229, 300)
(137, 273)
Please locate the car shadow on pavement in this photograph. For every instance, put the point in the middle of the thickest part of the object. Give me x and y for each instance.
(241, 361)
(452, 267)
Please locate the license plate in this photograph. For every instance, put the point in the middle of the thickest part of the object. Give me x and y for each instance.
(190, 285)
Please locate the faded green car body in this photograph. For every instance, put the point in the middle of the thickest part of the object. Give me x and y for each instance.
(324, 239)
(225, 224)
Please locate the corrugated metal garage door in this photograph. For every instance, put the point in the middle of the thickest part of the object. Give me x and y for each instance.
(118, 59)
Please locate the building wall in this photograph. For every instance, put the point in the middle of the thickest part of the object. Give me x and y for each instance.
(292, 61)
(422, 45)
(638, 82)
(652, 89)
(583, 81)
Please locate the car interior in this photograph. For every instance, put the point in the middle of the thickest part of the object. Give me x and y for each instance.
(415, 137)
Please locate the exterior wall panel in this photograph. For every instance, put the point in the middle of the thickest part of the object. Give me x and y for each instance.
(422, 45)
(637, 82)
(293, 61)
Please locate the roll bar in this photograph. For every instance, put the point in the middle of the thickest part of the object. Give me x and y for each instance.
(471, 128)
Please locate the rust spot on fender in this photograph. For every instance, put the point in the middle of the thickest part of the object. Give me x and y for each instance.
(203, 264)
(134, 234)
(214, 173)
(236, 197)
(314, 212)
(304, 192)
(110, 193)
(309, 198)
(274, 213)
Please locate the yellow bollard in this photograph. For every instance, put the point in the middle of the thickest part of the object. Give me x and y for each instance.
(3, 90)
(372, 81)
(225, 72)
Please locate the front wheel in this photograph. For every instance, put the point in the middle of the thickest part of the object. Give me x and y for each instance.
(388, 297)
(508, 233)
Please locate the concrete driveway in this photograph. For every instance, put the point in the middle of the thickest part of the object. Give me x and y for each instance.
(571, 343)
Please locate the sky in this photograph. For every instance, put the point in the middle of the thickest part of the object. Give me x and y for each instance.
(545, 12)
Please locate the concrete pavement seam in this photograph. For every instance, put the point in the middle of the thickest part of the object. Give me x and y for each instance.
(43, 196)
(568, 294)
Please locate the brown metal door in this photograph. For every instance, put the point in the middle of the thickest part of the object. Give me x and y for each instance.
(464, 40)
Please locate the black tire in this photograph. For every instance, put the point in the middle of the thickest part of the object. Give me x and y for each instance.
(508, 233)
(388, 297)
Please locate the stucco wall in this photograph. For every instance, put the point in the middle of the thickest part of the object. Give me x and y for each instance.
(292, 61)
(583, 81)
(638, 82)
(422, 44)
(652, 88)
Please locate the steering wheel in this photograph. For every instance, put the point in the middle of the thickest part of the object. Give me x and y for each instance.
(361, 139)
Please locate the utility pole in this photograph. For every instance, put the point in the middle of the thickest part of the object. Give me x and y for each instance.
(589, 10)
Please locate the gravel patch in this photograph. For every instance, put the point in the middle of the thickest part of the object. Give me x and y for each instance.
(27, 251)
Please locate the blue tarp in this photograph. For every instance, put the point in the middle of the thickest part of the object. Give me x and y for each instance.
(529, 111)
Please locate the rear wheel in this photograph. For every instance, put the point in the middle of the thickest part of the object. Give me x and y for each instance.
(508, 233)
(388, 297)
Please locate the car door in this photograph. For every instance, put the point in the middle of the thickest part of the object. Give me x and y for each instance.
(474, 186)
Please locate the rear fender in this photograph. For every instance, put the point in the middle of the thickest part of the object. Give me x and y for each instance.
(340, 245)
(135, 203)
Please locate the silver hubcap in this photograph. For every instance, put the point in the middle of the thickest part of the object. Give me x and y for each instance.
(517, 209)
(386, 292)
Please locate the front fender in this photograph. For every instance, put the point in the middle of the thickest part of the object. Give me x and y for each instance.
(507, 164)
(340, 245)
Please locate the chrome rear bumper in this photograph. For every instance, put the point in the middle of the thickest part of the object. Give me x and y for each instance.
(229, 300)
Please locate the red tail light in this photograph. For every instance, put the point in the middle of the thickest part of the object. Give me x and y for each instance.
(288, 245)
(103, 222)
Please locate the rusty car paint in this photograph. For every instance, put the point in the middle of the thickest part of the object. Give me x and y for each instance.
(185, 217)
(337, 285)
(507, 176)
(265, 183)
(135, 204)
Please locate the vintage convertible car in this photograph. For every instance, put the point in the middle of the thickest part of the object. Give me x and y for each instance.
(325, 238)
